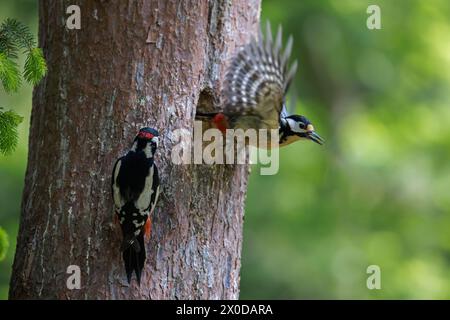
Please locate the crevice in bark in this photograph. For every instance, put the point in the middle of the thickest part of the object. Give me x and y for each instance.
(206, 101)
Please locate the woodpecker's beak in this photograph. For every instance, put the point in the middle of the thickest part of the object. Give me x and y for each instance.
(312, 135)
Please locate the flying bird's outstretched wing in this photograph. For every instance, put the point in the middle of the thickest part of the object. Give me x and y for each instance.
(258, 79)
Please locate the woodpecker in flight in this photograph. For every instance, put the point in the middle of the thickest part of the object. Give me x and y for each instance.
(256, 84)
(135, 189)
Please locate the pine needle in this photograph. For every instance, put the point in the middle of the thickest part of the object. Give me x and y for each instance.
(9, 137)
(9, 74)
(35, 67)
(15, 36)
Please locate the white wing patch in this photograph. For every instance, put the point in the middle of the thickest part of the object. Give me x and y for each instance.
(143, 202)
(118, 201)
(156, 200)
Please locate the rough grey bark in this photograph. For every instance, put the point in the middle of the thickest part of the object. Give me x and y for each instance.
(132, 64)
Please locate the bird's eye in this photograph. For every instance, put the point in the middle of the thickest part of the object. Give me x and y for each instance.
(301, 125)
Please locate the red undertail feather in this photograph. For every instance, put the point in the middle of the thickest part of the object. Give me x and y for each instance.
(220, 121)
(148, 228)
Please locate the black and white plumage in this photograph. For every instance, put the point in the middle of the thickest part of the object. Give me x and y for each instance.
(255, 90)
(135, 189)
(296, 127)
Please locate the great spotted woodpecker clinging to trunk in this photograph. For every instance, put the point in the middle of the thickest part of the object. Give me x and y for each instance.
(135, 189)
(255, 90)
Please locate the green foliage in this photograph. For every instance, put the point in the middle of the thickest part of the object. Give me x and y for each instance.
(35, 66)
(15, 36)
(4, 243)
(9, 121)
(9, 73)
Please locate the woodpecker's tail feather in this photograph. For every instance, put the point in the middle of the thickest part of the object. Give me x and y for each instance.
(130, 241)
(134, 256)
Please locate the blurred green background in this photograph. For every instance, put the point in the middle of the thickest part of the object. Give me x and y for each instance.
(376, 193)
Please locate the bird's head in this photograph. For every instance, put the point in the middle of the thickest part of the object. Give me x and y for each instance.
(299, 127)
(147, 141)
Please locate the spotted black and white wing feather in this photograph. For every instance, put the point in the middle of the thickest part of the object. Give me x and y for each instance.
(258, 79)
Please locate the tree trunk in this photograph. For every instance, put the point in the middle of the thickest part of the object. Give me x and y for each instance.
(132, 64)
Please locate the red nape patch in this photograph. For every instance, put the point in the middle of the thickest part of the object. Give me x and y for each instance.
(221, 122)
(148, 227)
(145, 135)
